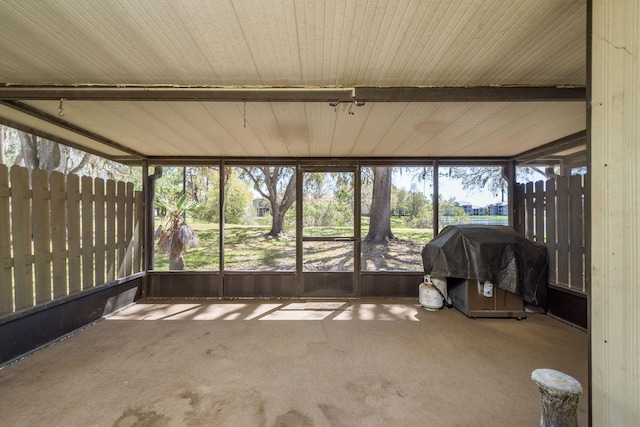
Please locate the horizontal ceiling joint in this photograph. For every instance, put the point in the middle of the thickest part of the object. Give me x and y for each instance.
(470, 94)
(313, 94)
(154, 93)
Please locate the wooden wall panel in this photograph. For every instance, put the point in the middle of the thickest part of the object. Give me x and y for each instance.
(390, 285)
(615, 213)
(183, 285)
(273, 285)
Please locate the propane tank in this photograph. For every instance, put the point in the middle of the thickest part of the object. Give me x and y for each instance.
(429, 296)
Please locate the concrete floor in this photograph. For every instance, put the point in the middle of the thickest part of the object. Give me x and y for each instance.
(291, 363)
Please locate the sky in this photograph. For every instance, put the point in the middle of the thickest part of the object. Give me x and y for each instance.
(449, 188)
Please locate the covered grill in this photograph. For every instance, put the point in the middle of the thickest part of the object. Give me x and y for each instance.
(492, 253)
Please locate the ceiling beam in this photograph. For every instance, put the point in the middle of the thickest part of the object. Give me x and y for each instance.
(156, 93)
(311, 94)
(470, 94)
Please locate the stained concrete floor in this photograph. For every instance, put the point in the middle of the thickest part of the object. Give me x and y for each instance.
(293, 363)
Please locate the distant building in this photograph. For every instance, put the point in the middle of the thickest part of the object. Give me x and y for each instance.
(478, 210)
(262, 207)
(470, 209)
(466, 206)
(500, 209)
(400, 212)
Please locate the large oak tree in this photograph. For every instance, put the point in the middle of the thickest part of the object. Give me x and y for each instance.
(278, 185)
(380, 212)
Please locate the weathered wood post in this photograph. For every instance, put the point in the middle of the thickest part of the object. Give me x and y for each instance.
(560, 394)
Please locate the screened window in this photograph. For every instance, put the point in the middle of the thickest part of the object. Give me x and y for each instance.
(260, 218)
(403, 198)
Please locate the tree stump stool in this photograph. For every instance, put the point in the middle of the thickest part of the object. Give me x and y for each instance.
(560, 394)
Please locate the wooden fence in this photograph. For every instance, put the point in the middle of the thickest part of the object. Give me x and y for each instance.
(64, 234)
(552, 212)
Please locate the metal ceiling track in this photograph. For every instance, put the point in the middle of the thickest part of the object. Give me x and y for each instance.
(312, 94)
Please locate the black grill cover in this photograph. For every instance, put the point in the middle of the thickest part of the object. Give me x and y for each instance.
(494, 253)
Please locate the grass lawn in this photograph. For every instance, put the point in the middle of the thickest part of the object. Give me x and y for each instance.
(247, 247)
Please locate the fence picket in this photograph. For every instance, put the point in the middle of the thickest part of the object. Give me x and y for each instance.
(41, 234)
(21, 229)
(137, 232)
(99, 216)
(563, 230)
(528, 202)
(576, 237)
(87, 233)
(6, 262)
(128, 261)
(59, 234)
(120, 227)
(539, 208)
(73, 235)
(111, 230)
(519, 220)
(552, 238)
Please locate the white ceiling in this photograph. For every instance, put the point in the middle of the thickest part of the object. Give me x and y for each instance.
(296, 44)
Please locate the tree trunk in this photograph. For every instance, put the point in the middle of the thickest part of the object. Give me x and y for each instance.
(277, 223)
(380, 215)
(176, 260)
(177, 263)
(271, 177)
(49, 157)
(29, 150)
(278, 211)
(39, 154)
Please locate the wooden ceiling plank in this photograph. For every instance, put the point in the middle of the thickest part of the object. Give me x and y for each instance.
(534, 128)
(63, 124)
